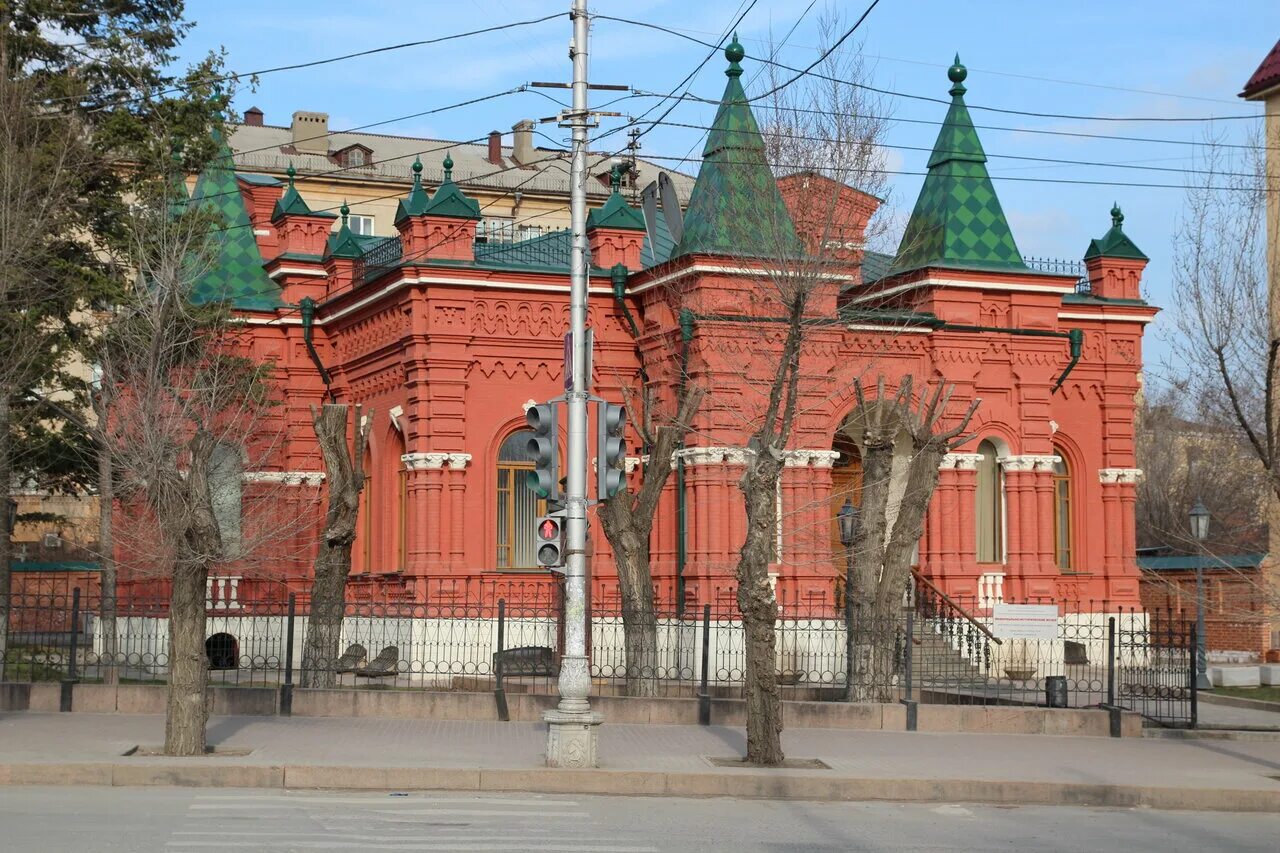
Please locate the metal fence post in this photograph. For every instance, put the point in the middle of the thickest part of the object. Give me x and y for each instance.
(1113, 710)
(1192, 681)
(499, 691)
(69, 681)
(286, 689)
(704, 690)
(909, 702)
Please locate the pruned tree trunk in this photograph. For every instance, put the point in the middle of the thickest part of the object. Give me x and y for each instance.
(198, 546)
(759, 609)
(6, 548)
(345, 480)
(627, 519)
(106, 550)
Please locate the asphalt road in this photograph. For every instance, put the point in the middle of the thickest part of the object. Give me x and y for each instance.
(138, 820)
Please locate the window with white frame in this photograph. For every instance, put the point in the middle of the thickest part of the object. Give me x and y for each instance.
(496, 229)
(362, 225)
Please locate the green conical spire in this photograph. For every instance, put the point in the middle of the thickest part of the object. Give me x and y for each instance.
(416, 202)
(735, 207)
(957, 221)
(237, 276)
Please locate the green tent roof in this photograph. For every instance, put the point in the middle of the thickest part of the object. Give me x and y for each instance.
(344, 243)
(237, 275)
(292, 204)
(957, 221)
(416, 202)
(1115, 243)
(616, 213)
(735, 207)
(450, 200)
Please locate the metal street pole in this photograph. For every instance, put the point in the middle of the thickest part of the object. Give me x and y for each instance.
(572, 726)
(1202, 658)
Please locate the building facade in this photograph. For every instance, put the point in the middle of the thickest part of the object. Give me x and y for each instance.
(444, 337)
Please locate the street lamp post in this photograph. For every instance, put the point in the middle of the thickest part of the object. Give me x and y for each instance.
(1200, 530)
(848, 517)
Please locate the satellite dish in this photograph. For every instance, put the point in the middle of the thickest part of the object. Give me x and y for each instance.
(671, 206)
(649, 204)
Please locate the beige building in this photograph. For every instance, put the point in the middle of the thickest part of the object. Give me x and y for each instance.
(522, 187)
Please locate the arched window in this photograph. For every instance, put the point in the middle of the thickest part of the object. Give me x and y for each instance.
(226, 491)
(1061, 512)
(990, 505)
(518, 505)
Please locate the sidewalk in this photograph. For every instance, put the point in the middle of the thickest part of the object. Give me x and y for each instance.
(366, 753)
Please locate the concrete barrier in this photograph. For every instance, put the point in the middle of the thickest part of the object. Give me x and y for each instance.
(1235, 676)
(529, 707)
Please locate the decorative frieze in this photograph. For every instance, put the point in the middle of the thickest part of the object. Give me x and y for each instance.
(285, 478)
(1119, 475)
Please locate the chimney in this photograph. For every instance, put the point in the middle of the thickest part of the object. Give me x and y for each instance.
(522, 142)
(310, 132)
(253, 117)
(495, 147)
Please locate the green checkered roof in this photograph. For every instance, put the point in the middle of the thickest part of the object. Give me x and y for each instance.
(237, 275)
(735, 207)
(957, 221)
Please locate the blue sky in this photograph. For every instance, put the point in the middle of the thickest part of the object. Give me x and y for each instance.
(1170, 59)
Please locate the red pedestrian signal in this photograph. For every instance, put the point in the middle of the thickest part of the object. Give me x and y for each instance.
(548, 529)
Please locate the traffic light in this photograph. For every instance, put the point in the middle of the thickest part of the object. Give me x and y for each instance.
(549, 539)
(544, 450)
(611, 450)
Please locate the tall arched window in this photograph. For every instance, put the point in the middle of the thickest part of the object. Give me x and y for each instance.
(990, 505)
(1062, 512)
(226, 491)
(518, 505)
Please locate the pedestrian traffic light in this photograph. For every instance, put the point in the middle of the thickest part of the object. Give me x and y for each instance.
(544, 450)
(549, 539)
(611, 450)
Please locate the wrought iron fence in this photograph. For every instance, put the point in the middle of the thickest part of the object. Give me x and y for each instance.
(379, 260)
(482, 636)
(1061, 266)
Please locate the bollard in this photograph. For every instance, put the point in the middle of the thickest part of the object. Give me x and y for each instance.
(704, 691)
(499, 691)
(286, 689)
(68, 683)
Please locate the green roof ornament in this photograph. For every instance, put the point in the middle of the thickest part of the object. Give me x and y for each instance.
(345, 211)
(291, 172)
(734, 53)
(957, 74)
(958, 222)
(735, 200)
(615, 177)
(415, 204)
(1115, 243)
(448, 167)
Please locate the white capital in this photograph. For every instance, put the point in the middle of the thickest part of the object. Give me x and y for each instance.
(458, 461)
(1119, 475)
(961, 461)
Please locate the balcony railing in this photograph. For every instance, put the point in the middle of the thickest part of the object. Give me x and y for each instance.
(1061, 266)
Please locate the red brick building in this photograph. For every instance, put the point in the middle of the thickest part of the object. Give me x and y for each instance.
(445, 338)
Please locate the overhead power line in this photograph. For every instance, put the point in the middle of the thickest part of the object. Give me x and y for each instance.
(935, 100)
(159, 91)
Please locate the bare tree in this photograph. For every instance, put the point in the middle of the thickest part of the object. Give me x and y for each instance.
(345, 478)
(882, 547)
(627, 519)
(184, 388)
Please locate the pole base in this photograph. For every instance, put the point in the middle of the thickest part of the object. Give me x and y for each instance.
(1203, 682)
(572, 738)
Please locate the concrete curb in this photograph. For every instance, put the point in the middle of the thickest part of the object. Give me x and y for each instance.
(746, 783)
(1239, 702)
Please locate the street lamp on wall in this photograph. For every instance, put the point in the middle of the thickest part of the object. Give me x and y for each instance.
(1200, 530)
(11, 516)
(848, 517)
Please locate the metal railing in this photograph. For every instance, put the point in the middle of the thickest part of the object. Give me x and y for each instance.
(486, 635)
(1062, 266)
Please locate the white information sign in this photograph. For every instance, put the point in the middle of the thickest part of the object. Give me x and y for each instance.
(1025, 621)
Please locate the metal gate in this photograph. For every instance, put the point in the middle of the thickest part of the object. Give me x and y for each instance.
(1153, 671)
